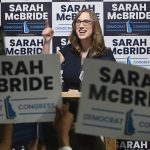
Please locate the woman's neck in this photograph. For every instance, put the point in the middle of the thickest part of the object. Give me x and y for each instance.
(86, 45)
(84, 54)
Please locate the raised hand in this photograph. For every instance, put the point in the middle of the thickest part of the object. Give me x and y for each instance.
(47, 35)
(63, 124)
(47, 32)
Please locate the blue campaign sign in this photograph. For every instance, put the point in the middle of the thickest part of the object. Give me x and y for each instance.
(126, 18)
(25, 18)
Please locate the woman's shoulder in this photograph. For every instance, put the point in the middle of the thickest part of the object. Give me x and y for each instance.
(108, 54)
(67, 48)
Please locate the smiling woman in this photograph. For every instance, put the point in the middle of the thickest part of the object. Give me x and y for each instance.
(85, 41)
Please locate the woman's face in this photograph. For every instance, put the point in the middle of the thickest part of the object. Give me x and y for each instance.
(83, 25)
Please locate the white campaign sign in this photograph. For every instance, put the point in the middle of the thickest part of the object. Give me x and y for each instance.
(115, 101)
(30, 88)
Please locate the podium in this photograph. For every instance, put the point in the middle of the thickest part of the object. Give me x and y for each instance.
(73, 96)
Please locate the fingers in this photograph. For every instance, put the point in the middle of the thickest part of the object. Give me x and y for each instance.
(65, 108)
(51, 32)
(62, 110)
(58, 113)
(48, 32)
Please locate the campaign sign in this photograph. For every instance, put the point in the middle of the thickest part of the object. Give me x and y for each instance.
(115, 101)
(20, 45)
(25, 18)
(64, 14)
(59, 42)
(30, 88)
(130, 49)
(133, 145)
(126, 18)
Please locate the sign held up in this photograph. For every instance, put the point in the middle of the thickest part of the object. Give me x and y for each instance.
(30, 88)
(115, 100)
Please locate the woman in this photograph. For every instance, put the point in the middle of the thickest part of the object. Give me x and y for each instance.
(86, 40)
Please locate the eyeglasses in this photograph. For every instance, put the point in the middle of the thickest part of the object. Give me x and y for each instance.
(85, 22)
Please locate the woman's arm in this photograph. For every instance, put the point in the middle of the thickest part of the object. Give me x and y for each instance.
(6, 131)
(47, 35)
(63, 125)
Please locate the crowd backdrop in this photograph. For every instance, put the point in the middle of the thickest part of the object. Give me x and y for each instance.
(125, 25)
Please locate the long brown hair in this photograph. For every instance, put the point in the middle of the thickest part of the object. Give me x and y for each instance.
(98, 45)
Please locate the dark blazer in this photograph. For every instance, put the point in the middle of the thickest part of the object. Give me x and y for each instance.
(2, 45)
